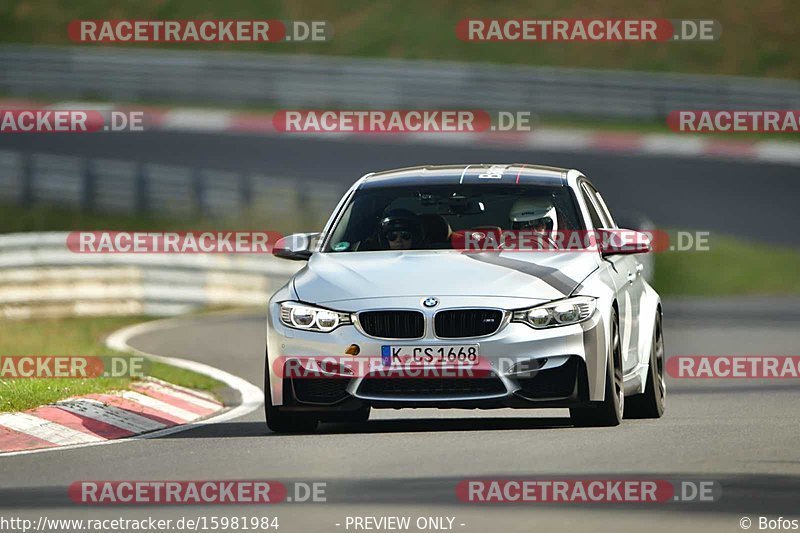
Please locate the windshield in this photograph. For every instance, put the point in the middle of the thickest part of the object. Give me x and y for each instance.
(430, 217)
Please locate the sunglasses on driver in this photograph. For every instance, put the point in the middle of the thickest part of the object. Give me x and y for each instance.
(395, 235)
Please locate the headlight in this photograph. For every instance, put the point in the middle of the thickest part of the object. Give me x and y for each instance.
(560, 313)
(301, 316)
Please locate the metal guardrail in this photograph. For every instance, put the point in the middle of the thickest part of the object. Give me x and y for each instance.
(40, 277)
(119, 186)
(227, 79)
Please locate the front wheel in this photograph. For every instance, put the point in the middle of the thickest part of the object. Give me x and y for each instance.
(652, 402)
(610, 411)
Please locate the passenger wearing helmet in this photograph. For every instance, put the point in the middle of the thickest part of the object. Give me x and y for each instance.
(538, 214)
(400, 229)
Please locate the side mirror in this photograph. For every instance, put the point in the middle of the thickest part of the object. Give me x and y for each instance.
(623, 242)
(296, 247)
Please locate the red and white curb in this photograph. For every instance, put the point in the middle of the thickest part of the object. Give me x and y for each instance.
(152, 408)
(571, 140)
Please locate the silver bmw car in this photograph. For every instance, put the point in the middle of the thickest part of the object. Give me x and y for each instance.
(478, 286)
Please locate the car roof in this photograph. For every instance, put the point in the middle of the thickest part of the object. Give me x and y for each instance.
(485, 174)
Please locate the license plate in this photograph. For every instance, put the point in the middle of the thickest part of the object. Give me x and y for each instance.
(461, 354)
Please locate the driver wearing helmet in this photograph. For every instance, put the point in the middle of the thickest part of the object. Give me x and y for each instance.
(400, 229)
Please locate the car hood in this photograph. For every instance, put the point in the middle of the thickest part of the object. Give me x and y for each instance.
(331, 277)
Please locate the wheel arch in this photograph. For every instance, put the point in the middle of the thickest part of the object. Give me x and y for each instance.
(651, 307)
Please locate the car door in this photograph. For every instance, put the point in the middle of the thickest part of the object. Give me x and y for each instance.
(636, 287)
(625, 273)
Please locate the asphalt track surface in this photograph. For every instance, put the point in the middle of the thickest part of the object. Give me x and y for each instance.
(741, 434)
(741, 198)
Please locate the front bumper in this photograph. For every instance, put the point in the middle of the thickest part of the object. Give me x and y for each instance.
(562, 369)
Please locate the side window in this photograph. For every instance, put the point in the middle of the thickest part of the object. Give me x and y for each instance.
(597, 222)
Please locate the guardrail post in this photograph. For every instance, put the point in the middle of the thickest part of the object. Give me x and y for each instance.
(245, 191)
(302, 198)
(198, 185)
(89, 186)
(26, 194)
(141, 189)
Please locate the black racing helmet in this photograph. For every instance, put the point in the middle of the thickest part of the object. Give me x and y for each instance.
(400, 223)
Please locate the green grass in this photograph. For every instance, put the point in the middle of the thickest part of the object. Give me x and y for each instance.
(74, 336)
(183, 377)
(15, 218)
(729, 267)
(51, 218)
(758, 38)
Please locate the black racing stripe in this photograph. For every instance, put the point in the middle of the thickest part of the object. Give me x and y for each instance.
(552, 276)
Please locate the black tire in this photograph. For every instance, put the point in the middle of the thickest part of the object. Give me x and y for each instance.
(280, 421)
(652, 402)
(351, 417)
(610, 411)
